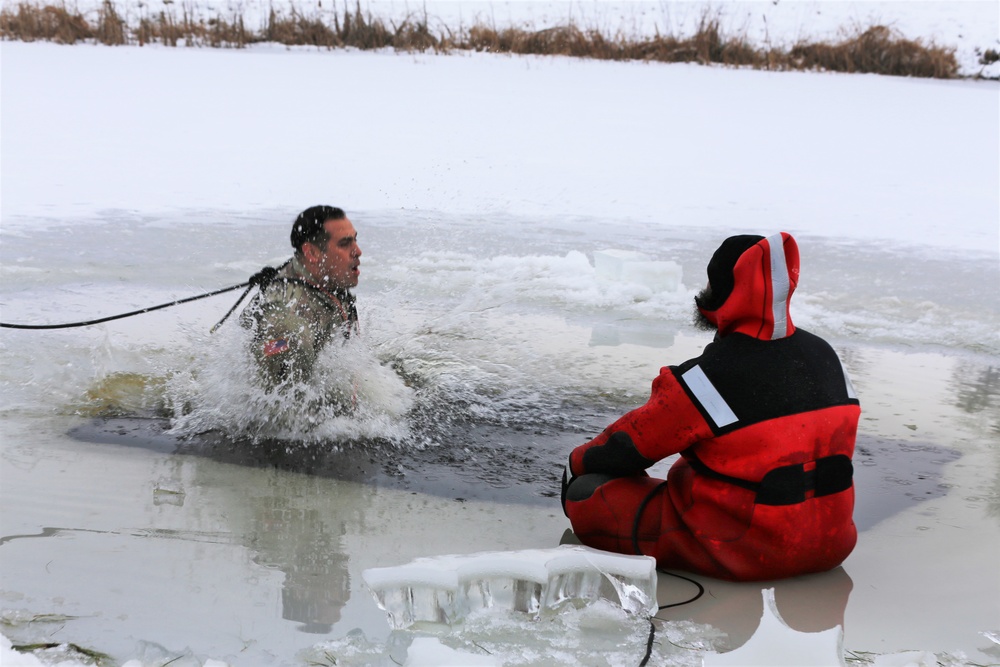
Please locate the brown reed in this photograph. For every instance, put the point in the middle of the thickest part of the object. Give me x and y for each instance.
(875, 49)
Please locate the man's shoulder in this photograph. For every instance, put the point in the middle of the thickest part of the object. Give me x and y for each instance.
(284, 289)
(803, 337)
(286, 297)
(292, 301)
(289, 286)
(737, 349)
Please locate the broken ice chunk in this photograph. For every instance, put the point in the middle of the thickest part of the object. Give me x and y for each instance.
(906, 659)
(430, 652)
(636, 267)
(445, 589)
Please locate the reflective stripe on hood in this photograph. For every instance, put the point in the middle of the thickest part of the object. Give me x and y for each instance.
(764, 277)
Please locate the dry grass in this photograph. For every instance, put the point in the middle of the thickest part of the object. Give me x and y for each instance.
(30, 23)
(876, 49)
(873, 50)
(707, 45)
(349, 29)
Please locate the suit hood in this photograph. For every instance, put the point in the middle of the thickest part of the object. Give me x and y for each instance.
(754, 278)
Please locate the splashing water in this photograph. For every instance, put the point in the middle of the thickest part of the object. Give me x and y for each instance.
(351, 395)
(459, 322)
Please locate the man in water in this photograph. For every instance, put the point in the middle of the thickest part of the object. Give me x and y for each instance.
(764, 422)
(308, 302)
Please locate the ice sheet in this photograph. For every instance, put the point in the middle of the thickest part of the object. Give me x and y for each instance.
(445, 589)
(637, 267)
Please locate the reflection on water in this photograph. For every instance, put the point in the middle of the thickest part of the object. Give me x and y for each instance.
(811, 603)
(977, 389)
(290, 523)
(889, 476)
(294, 524)
(306, 546)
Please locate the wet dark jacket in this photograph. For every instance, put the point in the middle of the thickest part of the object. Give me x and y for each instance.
(292, 319)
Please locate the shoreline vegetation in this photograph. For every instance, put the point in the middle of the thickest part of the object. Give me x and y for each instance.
(875, 49)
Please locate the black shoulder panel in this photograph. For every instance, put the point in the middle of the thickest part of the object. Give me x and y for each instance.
(764, 379)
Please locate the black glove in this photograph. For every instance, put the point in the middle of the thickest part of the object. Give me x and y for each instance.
(264, 277)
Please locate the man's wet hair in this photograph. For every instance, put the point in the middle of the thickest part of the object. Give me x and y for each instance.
(699, 320)
(308, 227)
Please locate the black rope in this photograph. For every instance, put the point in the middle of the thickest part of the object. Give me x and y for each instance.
(261, 278)
(652, 626)
(635, 546)
(701, 590)
(649, 644)
(638, 515)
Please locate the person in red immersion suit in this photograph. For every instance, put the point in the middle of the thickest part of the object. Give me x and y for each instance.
(764, 422)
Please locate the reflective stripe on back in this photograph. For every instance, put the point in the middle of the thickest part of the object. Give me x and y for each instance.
(708, 396)
(847, 381)
(779, 286)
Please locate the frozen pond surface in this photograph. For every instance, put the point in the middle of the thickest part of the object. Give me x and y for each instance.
(254, 553)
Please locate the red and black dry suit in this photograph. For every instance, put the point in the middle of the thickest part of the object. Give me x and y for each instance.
(765, 422)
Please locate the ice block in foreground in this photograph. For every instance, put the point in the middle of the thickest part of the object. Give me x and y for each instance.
(445, 589)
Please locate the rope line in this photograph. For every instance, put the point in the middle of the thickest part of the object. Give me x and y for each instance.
(261, 278)
(638, 550)
(652, 625)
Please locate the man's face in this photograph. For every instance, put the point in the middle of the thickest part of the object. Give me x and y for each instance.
(335, 265)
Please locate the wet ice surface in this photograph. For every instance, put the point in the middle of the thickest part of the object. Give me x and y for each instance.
(238, 527)
(170, 536)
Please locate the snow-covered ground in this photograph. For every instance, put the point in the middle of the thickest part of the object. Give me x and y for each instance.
(482, 187)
